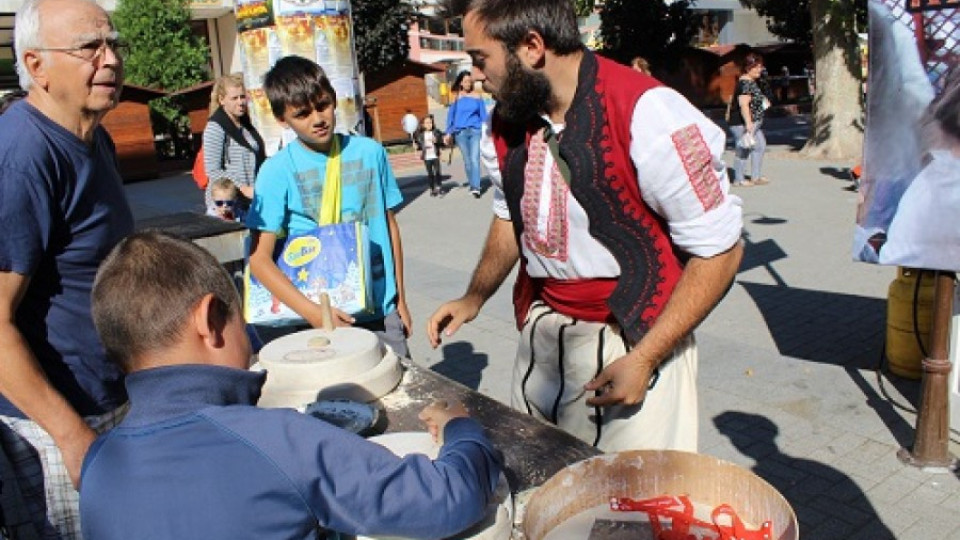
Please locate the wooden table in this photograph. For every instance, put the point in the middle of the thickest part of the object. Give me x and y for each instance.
(534, 450)
(224, 239)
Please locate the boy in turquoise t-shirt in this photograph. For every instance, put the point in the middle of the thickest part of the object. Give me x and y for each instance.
(289, 190)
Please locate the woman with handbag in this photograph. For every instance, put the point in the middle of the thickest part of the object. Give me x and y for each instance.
(747, 107)
(466, 116)
(232, 147)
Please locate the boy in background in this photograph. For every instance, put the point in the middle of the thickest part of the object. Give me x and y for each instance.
(289, 192)
(194, 457)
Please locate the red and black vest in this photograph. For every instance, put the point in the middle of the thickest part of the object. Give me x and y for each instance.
(595, 143)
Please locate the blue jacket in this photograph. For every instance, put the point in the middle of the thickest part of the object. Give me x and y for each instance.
(195, 459)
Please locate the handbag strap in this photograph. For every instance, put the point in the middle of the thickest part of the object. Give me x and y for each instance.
(332, 189)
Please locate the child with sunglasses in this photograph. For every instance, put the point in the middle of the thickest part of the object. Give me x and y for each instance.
(223, 200)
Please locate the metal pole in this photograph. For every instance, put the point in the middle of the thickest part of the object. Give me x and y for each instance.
(931, 446)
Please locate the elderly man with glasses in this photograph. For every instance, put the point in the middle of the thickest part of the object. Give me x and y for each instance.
(62, 208)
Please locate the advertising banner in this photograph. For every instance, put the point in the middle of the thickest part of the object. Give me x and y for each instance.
(320, 30)
(910, 189)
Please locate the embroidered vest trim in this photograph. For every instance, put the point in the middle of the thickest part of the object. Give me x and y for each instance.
(595, 143)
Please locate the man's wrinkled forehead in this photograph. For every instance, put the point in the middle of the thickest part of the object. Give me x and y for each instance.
(84, 20)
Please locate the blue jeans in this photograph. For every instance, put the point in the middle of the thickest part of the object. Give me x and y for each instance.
(468, 141)
(755, 155)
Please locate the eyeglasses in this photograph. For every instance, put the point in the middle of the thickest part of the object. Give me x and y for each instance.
(228, 203)
(92, 51)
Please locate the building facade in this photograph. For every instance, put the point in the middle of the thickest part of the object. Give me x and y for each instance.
(435, 39)
(213, 20)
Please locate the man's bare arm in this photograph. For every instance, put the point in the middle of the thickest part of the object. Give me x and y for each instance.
(701, 287)
(500, 254)
(23, 382)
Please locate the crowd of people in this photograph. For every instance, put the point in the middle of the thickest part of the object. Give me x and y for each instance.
(125, 367)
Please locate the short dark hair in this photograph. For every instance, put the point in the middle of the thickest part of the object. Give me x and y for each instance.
(146, 289)
(750, 61)
(297, 82)
(509, 21)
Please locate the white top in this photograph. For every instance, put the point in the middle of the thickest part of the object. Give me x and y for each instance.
(669, 138)
(429, 146)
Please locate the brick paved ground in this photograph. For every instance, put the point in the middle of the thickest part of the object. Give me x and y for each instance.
(789, 383)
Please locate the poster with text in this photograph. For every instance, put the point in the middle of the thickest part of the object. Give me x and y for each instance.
(910, 185)
(320, 30)
(253, 14)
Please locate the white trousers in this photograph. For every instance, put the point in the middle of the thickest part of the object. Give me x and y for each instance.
(557, 355)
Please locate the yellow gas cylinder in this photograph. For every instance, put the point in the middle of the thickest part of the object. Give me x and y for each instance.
(903, 353)
(444, 93)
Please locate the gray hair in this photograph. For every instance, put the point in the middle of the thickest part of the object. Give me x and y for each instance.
(26, 35)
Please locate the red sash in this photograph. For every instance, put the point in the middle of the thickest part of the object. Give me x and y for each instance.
(584, 299)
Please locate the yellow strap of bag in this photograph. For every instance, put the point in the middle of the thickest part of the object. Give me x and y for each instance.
(330, 203)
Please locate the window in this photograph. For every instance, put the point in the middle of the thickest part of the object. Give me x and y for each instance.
(455, 26)
(436, 26)
(8, 73)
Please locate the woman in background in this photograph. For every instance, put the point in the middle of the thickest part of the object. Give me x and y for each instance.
(464, 119)
(746, 118)
(232, 147)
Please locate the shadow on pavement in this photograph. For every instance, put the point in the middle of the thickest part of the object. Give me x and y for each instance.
(812, 488)
(413, 185)
(462, 364)
(840, 329)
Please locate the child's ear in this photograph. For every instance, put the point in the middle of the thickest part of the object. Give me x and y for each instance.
(208, 320)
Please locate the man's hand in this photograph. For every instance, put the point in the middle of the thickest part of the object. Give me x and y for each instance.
(437, 414)
(74, 449)
(624, 382)
(449, 317)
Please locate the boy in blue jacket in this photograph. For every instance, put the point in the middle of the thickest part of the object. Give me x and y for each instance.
(195, 458)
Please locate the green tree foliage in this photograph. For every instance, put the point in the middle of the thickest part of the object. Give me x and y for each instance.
(584, 7)
(830, 27)
(380, 31)
(163, 55)
(792, 20)
(648, 28)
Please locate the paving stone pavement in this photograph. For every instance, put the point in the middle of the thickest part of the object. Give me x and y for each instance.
(790, 385)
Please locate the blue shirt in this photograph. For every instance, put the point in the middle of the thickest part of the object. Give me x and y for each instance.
(289, 189)
(466, 112)
(62, 208)
(195, 459)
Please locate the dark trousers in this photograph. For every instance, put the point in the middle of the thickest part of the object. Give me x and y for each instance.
(433, 172)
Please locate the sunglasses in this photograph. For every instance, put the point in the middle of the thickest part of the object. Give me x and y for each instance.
(228, 203)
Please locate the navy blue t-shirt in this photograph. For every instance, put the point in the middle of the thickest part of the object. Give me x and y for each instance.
(62, 208)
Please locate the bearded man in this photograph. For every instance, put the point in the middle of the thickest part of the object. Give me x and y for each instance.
(611, 191)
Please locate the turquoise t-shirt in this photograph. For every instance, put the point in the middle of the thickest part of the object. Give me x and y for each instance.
(289, 189)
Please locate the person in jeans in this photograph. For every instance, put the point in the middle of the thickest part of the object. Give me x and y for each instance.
(746, 118)
(464, 119)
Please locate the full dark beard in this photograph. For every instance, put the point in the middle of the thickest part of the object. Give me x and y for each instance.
(524, 94)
